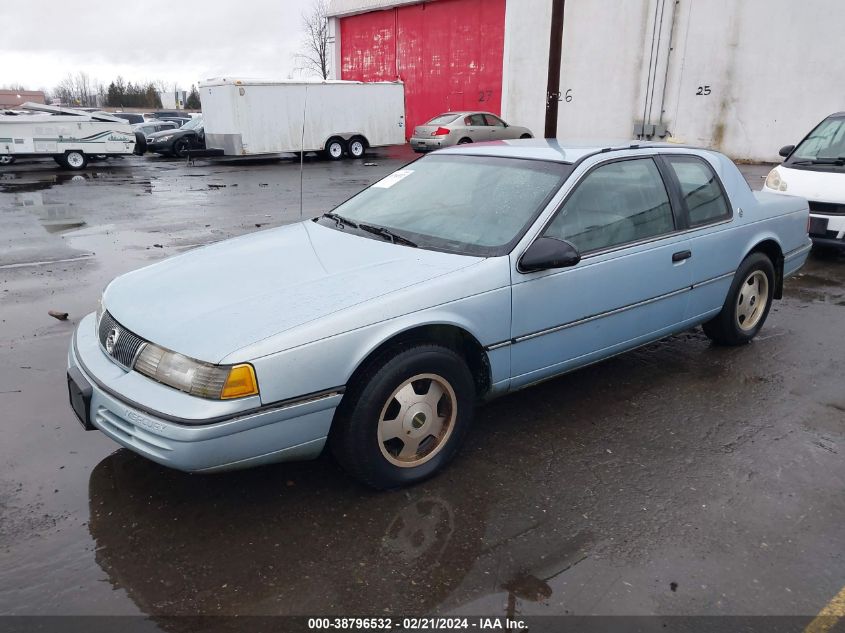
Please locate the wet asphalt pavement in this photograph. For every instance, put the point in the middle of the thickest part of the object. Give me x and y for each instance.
(681, 478)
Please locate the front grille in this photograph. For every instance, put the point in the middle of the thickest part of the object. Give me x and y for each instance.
(118, 342)
(827, 208)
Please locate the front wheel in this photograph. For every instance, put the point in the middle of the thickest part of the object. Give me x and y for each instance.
(747, 305)
(181, 147)
(404, 418)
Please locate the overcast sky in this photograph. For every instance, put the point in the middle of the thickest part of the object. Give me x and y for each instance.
(177, 41)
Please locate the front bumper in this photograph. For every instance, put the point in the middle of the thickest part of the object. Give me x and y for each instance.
(185, 432)
(160, 148)
(827, 230)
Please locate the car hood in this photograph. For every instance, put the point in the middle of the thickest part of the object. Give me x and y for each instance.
(212, 301)
(820, 186)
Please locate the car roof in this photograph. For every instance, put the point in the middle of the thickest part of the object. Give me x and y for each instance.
(555, 150)
(458, 113)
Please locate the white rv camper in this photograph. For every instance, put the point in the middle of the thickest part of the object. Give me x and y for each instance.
(71, 137)
(245, 117)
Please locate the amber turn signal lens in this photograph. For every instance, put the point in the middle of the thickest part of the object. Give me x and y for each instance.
(241, 382)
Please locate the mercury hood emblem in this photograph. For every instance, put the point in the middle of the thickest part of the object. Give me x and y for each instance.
(111, 340)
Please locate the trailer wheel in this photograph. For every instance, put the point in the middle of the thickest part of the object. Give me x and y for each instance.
(357, 147)
(74, 160)
(335, 149)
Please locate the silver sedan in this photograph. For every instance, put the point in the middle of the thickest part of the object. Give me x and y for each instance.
(457, 128)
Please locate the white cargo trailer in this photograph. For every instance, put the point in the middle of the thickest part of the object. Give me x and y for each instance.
(71, 137)
(247, 117)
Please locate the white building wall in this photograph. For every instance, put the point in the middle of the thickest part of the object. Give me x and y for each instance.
(604, 44)
(773, 69)
(526, 63)
(767, 70)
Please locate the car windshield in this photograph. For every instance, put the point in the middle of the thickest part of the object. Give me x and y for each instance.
(474, 205)
(442, 119)
(193, 124)
(825, 143)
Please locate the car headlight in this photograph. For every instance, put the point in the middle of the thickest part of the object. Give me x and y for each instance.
(775, 181)
(162, 139)
(217, 382)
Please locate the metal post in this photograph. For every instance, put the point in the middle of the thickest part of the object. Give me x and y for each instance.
(555, 52)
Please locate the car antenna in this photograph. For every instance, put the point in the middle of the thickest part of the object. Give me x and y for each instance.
(302, 149)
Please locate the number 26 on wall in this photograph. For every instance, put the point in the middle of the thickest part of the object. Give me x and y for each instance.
(703, 91)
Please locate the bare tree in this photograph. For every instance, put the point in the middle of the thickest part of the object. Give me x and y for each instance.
(314, 58)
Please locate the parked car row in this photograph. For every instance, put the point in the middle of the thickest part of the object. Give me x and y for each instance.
(135, 118)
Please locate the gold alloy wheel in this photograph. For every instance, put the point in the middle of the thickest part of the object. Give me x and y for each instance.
(417, 420)
(752, 300)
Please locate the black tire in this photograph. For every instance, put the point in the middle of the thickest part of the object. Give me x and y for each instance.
(140, 144)
(727, 328)
(74, 160)
(59, 160)
(181, 147)
(357, 147)
(335, 149)
(526, 136)
(465, 141)
(355, 440)
(7, 159)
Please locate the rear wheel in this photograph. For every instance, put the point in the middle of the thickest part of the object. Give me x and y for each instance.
(525, 136)
(464, 141)
(74, 160)
(357, 147)
(747, 305)
(335, 149)
(404, 418)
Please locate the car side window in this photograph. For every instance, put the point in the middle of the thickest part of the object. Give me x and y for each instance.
(700, 190)
(477, 120)
(616, 203)
(494, 121)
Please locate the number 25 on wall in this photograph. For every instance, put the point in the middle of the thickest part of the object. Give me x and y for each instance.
(703, 91)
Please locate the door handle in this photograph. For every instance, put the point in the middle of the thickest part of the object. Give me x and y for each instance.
(681, 256)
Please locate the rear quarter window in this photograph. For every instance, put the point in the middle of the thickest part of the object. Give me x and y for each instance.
(700, 190)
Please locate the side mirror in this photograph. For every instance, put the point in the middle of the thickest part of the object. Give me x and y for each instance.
(547, 253)
(786, 150)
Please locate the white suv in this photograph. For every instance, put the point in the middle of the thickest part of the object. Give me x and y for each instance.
(815, 170)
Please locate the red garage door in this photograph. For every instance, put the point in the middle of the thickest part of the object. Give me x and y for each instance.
(448, 53)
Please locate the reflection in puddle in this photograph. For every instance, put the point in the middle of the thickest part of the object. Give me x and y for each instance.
(14, 183)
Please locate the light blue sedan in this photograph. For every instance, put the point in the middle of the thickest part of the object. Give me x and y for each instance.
(470, 273)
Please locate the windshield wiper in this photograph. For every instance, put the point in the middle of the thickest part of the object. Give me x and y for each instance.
(387, 234)
(340, 221)
(821, 161)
